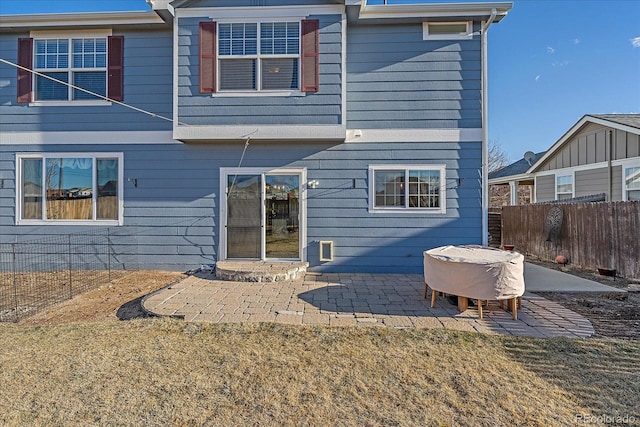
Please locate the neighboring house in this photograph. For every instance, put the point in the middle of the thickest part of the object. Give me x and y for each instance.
(600, 154)
(514, 176)
(370, 120)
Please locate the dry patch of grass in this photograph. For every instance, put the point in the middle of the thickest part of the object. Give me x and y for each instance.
(167, 372)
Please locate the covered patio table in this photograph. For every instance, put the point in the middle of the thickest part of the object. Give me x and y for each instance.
(476, 272)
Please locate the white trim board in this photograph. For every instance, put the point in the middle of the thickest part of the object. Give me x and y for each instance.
(87, 138)
(414, 135)
(258, 12)
(260, 132)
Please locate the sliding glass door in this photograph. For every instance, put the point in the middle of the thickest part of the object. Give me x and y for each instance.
(263, 215)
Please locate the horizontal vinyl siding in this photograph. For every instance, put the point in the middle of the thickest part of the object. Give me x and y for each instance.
(321, 108)
(171, 218)
(593, 181)
(388, 242)
(395, 79)
(147, 85)
(545, 188)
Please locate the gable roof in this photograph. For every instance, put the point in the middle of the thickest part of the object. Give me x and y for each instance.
(632, 120)
(516, 168)
(624, 122)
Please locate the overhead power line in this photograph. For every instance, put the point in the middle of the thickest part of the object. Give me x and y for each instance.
(140, 110)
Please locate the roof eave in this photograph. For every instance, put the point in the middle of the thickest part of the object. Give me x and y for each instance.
(9, 22)
(439, 10)
(509, 178)
(568, 134)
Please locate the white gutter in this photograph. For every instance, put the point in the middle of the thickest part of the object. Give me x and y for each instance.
(485, 130)
(79, 19)
(435, 10)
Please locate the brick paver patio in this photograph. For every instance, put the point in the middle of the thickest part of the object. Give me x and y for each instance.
(393, 300)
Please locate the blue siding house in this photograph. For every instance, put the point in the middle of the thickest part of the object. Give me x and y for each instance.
(348, 135)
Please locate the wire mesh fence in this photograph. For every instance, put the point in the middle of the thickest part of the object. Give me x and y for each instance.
(37, 274)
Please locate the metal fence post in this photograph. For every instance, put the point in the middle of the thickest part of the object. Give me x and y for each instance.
(15, 280)
(69, 253)
(109, 252)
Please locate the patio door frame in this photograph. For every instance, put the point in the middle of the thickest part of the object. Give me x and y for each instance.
(302, 200)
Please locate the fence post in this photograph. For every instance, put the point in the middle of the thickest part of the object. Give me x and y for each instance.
(69, 253)
(109, 252)
(15, 280)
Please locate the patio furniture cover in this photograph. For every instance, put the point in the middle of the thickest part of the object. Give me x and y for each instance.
(477, 272)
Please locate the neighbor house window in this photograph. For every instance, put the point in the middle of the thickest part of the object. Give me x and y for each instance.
(259, 56)
(632, 183)
(564, 187)
(407, 188)
(64, 188)
(81, 62)
(446, 30)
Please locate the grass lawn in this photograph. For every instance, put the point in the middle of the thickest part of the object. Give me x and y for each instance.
(167, 372)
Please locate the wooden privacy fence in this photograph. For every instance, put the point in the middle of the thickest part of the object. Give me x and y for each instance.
(593, 235)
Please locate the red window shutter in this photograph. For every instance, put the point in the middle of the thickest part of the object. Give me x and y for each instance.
(115, 68)
(207, 57)
(310, 55)
(25, 59)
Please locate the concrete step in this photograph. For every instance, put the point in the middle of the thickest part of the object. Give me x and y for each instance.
(260, 271)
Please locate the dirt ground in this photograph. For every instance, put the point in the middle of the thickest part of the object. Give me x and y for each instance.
(117, 300)
(612, 315)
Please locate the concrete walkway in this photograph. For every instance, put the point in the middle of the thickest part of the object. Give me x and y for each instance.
(355, 299)
(541, 279)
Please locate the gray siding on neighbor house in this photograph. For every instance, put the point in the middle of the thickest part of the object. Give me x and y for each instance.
(616, 178)
(545, 188)
(395, 79)
(171, 217)
(592, 181)
(321, 108)
(147, 85)
(590, 145)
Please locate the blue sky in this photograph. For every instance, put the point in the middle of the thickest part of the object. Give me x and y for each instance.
(550, 62)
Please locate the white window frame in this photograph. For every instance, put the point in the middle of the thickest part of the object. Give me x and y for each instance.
(69, 36)
(573, 185)
(625, 190)
(94, 156)
(406, 209)
(258, 57)
(468, 33)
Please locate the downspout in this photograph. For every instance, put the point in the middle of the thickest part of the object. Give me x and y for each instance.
(485, 131)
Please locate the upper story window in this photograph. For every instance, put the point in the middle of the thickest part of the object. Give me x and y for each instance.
(63, 60)
(564, 187)
(70, 188)
(259, 56)
(631, 188)
(82, 62)
(446, 30)
(396, 187)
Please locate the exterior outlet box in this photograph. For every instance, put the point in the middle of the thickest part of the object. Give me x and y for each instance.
(326, 250)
